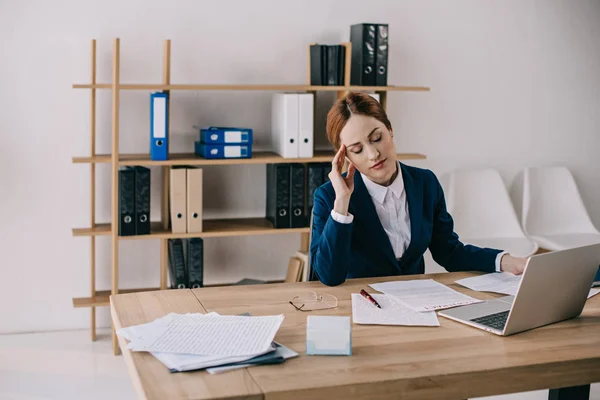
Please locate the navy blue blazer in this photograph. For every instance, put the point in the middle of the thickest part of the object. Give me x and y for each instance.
(362, 248)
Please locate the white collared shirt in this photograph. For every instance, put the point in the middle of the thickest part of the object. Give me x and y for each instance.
(392, 209)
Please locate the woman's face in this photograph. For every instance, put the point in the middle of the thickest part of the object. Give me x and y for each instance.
(370, 147)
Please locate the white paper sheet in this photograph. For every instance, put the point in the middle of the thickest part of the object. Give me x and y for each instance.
(281, 351)
(503, 283)
(390, 313)
(211, 335)
(424, 294)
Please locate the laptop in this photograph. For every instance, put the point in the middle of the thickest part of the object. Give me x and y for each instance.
(554, 287)
(597, 279)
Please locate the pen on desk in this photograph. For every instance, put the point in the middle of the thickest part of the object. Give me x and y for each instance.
(367, 296)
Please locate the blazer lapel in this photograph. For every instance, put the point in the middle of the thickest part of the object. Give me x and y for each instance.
(414, 199)
(362, 208)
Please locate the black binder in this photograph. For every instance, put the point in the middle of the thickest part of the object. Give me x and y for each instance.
(195, 262)
(298, 195)
(126, 202)
(364, 42)
(177, 269)
(326, 171)
(142, 200)
(314, 180)
(318, 65)
(332, 65)
(278, 195)
(381, 58)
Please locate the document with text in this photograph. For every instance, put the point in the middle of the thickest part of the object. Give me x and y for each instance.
(424, 294)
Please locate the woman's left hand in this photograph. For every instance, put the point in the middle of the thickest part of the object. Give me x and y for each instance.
(514, 265)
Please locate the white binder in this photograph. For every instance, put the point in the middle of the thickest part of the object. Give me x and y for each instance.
(306, 125)
(284, 124)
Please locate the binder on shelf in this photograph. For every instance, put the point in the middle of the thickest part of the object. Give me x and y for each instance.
(178, 199)
(314, 180)
(284, 124)
(376, 96)
(222, 151)
(381, 55)
(195, 262)
(327, 64)
(177, 268)
(326, 172)
(159, 126)
(225, 135)
(127, 199)
(306, 103)
(297, 196)
(194, 200)
(142, 200)
(318, 65)
(278, 195)
(364, 41)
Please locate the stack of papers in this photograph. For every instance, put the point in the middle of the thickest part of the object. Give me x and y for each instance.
(392, 312)
(184, 342)
(424, 295)
(503, 283)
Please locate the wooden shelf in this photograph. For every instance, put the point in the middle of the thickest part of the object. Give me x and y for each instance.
(258, 157)
(102, 298)
(211, 228)
(258, 87)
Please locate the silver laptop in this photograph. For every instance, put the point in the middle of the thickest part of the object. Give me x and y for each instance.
(553, 288)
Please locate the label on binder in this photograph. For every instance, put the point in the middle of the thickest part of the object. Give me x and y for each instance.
(233, 151)
(233, 137)
(159, 117)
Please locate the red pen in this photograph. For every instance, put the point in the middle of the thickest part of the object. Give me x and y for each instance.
(367, 296)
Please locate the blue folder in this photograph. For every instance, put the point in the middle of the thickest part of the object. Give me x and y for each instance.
(225, 135)
(217, 151)
(159, 126)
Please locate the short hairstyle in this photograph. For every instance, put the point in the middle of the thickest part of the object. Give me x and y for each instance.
(353, 103)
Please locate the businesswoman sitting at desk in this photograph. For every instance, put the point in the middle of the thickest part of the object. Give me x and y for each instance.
(381, 216)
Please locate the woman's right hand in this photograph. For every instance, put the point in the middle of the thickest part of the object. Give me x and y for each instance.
(343, 186)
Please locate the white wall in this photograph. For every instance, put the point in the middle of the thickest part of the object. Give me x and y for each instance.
(514, 83)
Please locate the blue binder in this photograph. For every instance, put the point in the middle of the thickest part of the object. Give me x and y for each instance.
(159, 126)
(216, 151)
(225, 135)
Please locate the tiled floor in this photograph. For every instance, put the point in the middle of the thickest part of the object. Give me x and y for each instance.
(68, 365)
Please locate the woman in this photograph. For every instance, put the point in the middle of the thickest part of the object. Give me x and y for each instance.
(380, 217)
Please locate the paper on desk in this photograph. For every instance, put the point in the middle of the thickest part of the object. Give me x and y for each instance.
(503, 282)
(216, 335)
(280, 351)
(390, 313)
(424, 294)
(500, 282)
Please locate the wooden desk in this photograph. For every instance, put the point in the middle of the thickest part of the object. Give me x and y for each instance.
(450, 361)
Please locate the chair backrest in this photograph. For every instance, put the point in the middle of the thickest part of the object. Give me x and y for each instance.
(552, 203)
(479, 203)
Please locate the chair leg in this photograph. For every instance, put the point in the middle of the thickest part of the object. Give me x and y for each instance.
(570, 393)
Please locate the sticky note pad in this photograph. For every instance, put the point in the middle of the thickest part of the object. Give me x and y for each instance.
(328, 335)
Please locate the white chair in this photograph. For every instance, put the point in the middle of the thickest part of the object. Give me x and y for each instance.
(553, 212)
(483, 213)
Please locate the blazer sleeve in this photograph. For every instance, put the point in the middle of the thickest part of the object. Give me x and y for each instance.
(330, 242)
(446, 248)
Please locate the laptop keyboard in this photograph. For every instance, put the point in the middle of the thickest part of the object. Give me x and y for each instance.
(496, 321)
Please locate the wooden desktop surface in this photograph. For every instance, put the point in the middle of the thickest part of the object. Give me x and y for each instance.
(450, 361)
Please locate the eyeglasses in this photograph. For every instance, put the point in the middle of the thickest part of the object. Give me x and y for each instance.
(312, 301)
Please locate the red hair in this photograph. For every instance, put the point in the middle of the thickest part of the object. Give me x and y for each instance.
(353, 103)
